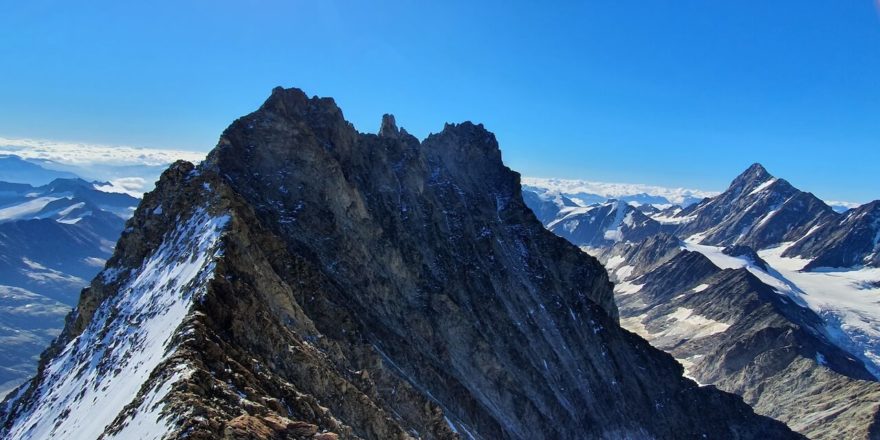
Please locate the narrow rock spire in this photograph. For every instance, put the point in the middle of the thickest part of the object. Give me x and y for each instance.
(388, 127)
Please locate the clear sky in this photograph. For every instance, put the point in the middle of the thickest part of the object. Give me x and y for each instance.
(678, 92)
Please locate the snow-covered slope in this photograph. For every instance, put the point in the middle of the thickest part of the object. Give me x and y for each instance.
(64, 200)
(545, 204)
(731, 330)
(88, 385)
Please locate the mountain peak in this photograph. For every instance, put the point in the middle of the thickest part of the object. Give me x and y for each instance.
(757, 168)
(756, 174)
(295, 104)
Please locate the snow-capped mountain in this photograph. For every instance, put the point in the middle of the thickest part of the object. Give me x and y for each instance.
(603, 224)
(592, 226)
(851, 240)
(758, 210)
(309, 281)
(53, 239)
(63, 200)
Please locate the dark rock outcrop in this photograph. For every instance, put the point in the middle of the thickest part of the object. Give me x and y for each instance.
(741, 250)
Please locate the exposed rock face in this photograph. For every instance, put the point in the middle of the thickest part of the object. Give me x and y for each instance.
(309, 281)
(733, 331)
(758, 210)
(851, 240)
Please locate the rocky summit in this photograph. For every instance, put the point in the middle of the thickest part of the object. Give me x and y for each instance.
(311, 282)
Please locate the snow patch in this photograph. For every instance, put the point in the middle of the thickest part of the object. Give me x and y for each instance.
(763, 186)
(627, 288)
(614, 261)
(624, 272)
(688, 325)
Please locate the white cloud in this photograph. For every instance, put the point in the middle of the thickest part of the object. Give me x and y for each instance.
(133, 186)
(848, 205)
(73, 153)
(122, 169)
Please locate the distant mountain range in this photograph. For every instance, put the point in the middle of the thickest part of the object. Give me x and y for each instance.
(762, 290)
(584, 192)
(122, 169)
(56, 232)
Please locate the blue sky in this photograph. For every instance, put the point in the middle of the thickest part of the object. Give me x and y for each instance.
(678, 92)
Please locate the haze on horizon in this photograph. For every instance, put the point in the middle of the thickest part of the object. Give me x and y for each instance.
(683, 94)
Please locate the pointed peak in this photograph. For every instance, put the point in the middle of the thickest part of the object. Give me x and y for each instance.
(757, 170)
(754, 175)
(389, 126)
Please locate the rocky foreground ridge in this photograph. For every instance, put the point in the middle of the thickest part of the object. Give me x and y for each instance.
(311, 282)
